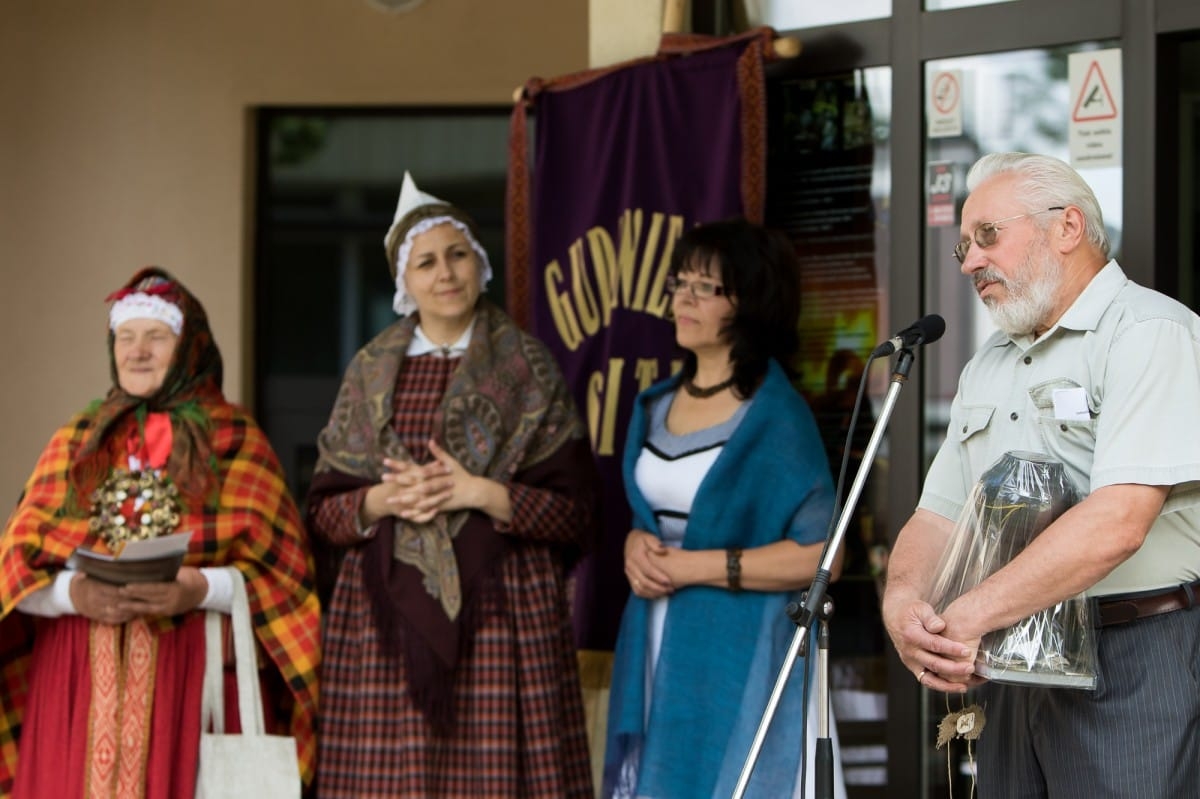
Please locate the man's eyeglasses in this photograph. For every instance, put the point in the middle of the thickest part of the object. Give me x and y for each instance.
(699, 289)
(985, 234)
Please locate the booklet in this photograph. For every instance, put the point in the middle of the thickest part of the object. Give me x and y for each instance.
(150, 560)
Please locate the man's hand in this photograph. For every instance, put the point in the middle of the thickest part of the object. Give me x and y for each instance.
(924, 644)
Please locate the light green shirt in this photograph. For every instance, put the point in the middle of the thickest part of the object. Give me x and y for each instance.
(1135, 356)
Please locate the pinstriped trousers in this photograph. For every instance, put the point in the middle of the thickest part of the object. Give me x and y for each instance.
(1136, 736)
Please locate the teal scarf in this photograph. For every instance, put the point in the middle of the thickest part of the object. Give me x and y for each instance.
(721, 651)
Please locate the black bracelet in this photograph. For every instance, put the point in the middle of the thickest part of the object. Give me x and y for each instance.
(733, 568)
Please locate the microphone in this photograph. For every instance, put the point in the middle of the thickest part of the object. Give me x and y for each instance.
(925, 330)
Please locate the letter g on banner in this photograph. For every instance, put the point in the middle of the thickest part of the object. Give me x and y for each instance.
(560, 308)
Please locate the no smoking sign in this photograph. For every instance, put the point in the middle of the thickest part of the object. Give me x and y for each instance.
(945, 104)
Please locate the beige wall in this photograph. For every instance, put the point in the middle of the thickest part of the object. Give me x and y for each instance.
(124, 133)
(620, 30)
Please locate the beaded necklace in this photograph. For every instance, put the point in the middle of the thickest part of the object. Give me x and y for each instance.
(702, 393)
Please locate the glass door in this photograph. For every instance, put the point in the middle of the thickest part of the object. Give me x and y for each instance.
(1181, 166)
(1018, 100)
(829, 188)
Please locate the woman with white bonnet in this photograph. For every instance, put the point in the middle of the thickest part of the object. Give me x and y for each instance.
(456, 478)
(100, 684)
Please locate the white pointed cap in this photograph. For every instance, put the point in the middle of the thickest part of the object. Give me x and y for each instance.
(410, 197)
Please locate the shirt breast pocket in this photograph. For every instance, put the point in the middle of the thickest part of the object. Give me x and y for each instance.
(969, 420)
(1072, 441)
(967, 424)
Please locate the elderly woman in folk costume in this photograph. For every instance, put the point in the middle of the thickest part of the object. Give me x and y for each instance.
(101, 684)
(456, 474)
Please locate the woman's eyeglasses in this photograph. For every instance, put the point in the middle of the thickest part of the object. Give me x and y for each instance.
(699, 289)
(986, 234)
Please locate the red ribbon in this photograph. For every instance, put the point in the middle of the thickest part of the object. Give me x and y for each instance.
(158, 288)
(154, 447)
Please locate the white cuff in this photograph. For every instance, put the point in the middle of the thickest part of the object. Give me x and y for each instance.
(364, 530)
(220, 589)
(52, 601)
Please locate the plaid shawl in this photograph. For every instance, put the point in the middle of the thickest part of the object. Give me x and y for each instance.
(193, 380)
(242, 516)
(255, 527)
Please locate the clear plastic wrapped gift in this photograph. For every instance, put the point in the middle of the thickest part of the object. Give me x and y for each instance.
(1014, 501)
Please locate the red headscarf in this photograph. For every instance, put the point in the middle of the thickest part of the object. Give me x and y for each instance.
(192, 381)
(243, 517)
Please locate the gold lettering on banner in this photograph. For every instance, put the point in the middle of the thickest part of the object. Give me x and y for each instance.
(602, 396)
(560, 308)
(659, 301)
(629, 230)
(604, 257)
(604, 391)
(646, 373)
(604, 275)
(656, 302)
(581, 290)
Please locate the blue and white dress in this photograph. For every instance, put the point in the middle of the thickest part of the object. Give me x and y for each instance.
(693, 671)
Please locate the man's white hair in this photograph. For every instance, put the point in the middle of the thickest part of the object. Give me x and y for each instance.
(1045, 182)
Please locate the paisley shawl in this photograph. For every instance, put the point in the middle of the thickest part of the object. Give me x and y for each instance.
(506, 409)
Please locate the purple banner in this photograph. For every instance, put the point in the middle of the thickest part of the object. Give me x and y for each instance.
(624, 164)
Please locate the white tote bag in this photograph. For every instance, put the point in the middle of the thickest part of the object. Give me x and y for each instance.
(252, 764)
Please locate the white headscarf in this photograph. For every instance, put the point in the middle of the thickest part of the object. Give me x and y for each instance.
(410, 198)
(140, 305)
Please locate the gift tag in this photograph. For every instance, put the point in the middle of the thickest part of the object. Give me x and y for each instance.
(966, 723)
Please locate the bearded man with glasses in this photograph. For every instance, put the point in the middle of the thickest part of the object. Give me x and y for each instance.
(1103, 375)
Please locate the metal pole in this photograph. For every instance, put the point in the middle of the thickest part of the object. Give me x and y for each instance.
(816, 593)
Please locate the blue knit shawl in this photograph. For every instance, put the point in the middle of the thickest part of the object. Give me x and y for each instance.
(721, 651)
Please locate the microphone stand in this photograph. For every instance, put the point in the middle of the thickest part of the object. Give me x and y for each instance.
(816, 606)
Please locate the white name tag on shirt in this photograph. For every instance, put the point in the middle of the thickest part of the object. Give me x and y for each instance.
(1071, 403)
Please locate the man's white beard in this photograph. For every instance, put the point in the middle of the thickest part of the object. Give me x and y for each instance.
(1030, 293)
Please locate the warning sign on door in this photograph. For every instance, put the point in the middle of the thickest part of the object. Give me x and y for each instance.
(943, 104)
(1096, 108)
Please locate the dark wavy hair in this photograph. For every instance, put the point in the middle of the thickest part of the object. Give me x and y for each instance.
(761, 272)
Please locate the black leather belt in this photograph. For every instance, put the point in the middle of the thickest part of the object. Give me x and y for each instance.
(1131, 607)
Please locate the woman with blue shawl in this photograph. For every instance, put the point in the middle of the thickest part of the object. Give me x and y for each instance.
(731, 497)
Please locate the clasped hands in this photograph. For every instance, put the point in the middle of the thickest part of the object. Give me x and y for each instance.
(938, 649)
(417, 493)
(118, 604)
(649, 566)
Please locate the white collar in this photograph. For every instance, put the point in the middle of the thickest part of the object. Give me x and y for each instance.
(422, 345)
